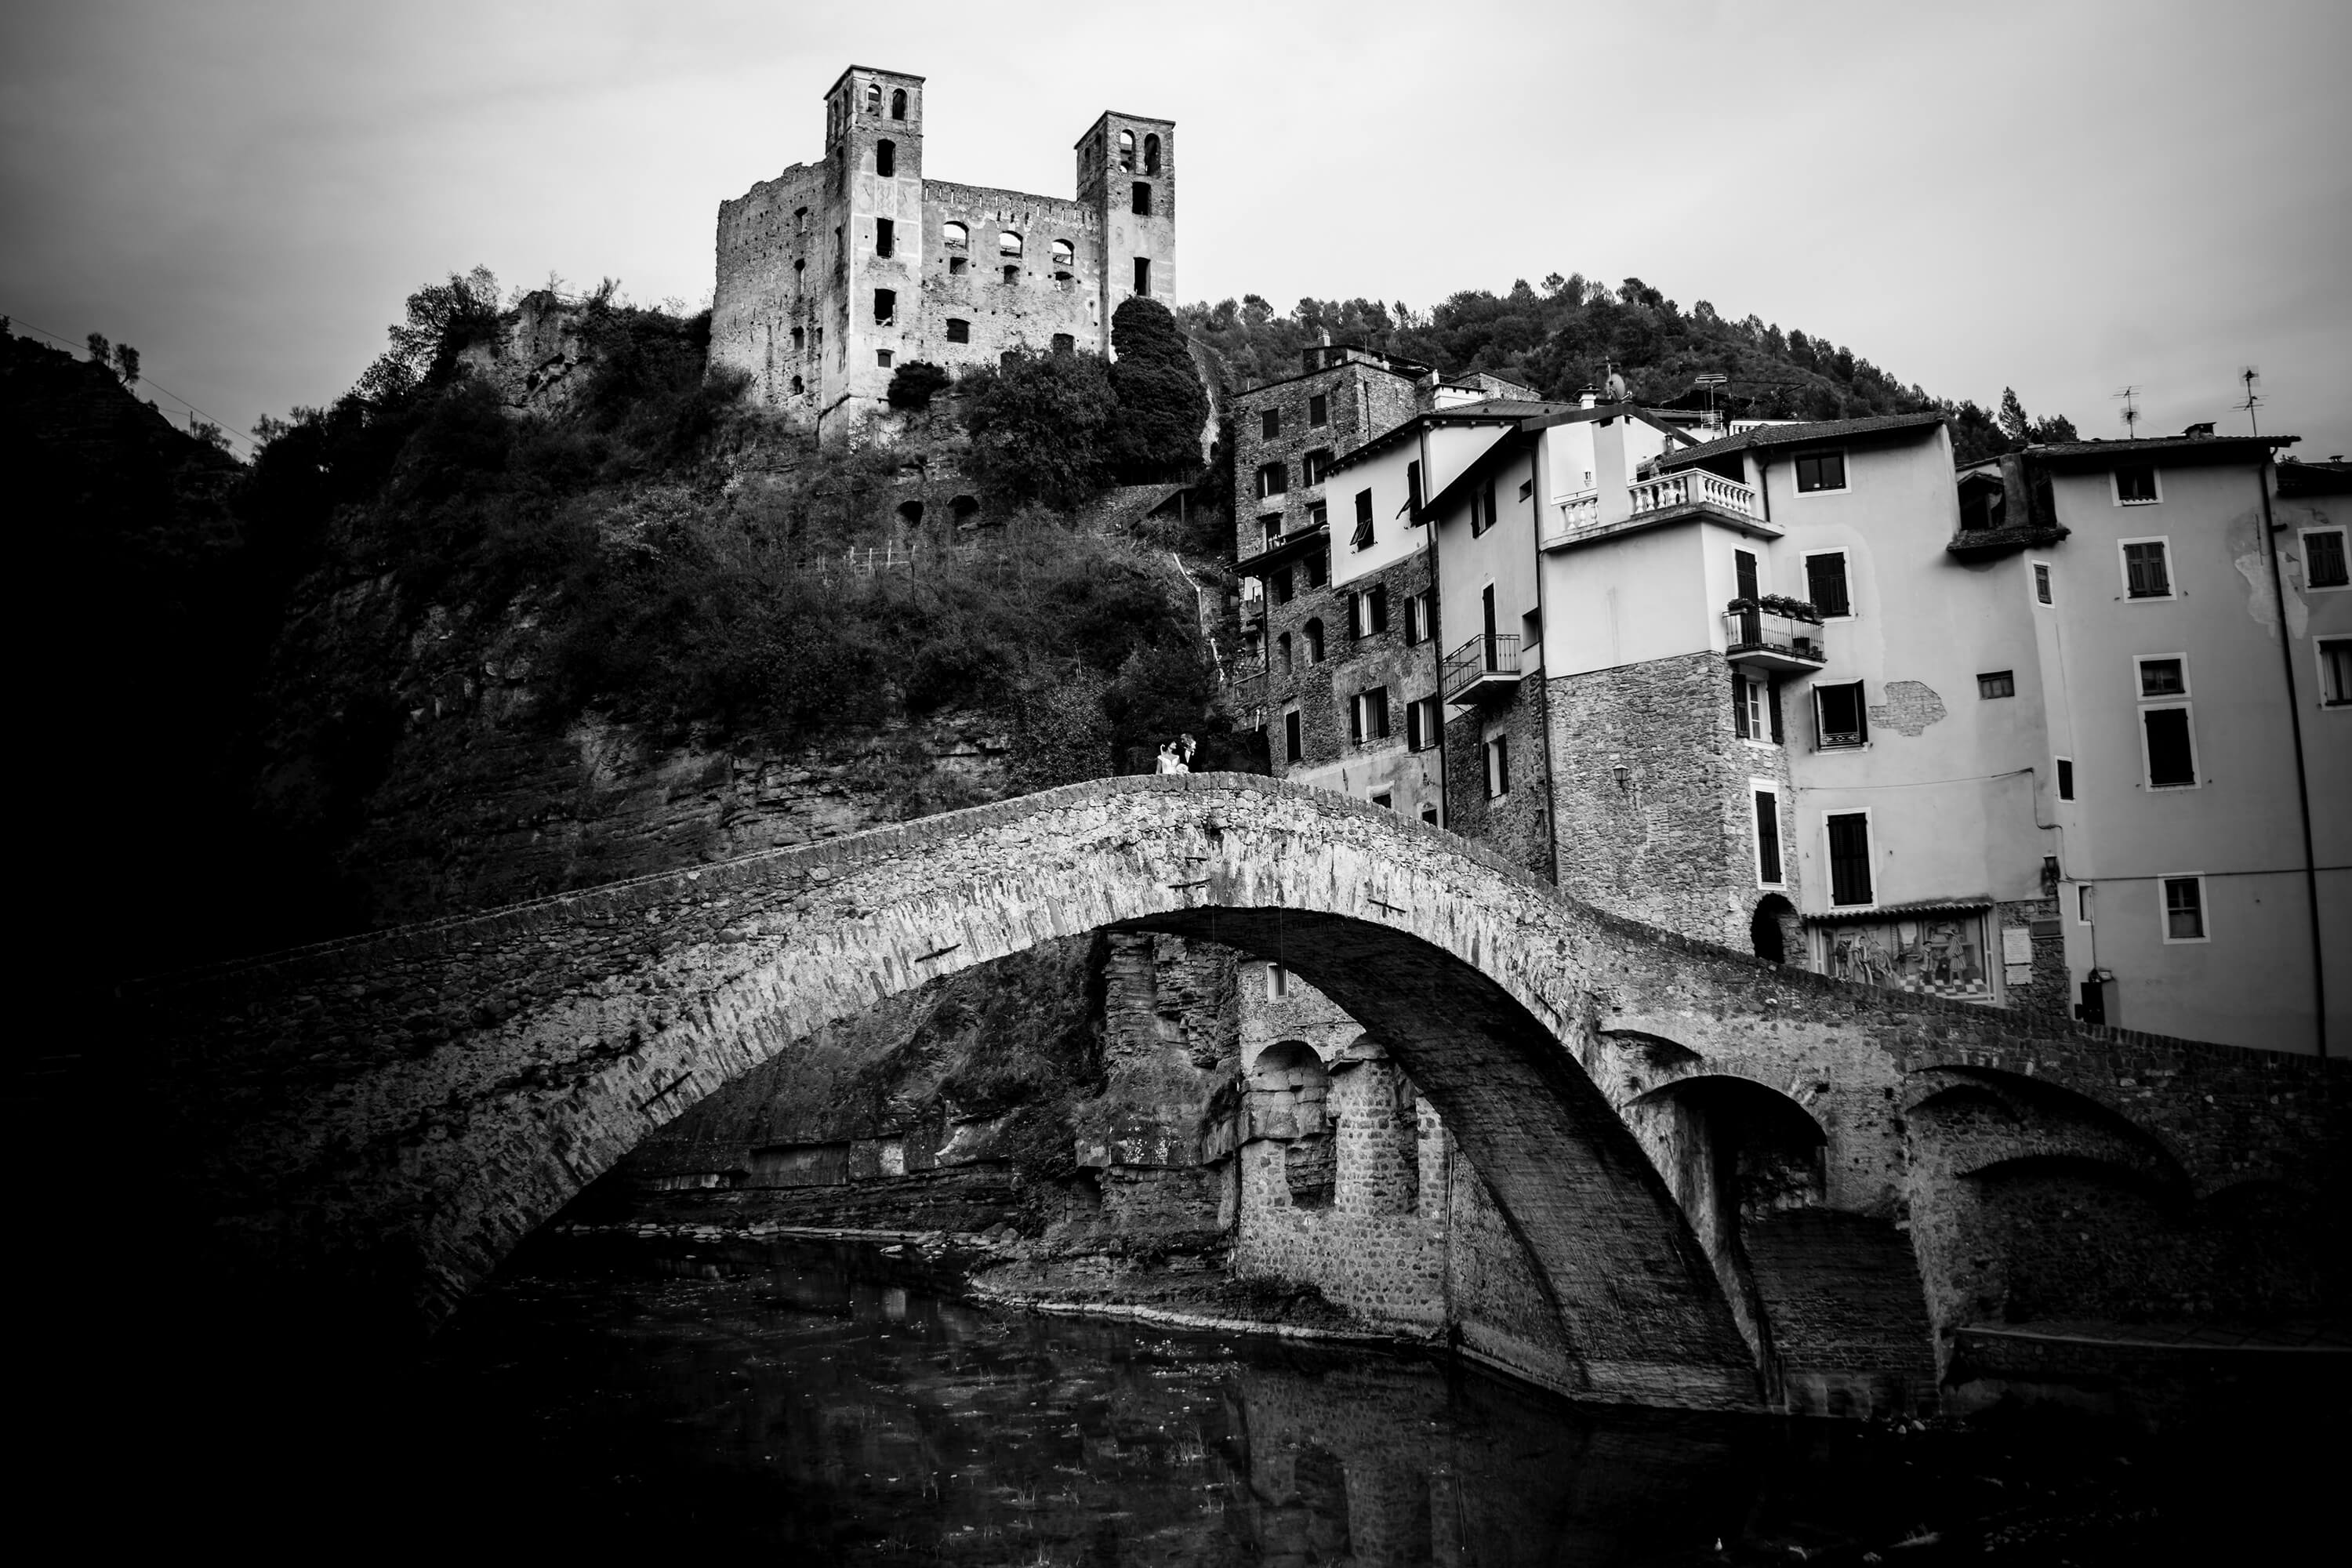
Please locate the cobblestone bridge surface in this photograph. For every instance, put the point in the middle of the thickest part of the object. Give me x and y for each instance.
(396, 1112)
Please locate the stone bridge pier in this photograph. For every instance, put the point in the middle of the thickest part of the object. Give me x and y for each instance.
(1723, 1179)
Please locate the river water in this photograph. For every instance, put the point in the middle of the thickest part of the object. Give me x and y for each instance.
(832, 1403)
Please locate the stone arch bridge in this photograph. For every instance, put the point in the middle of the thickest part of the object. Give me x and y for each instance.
(394, 1112)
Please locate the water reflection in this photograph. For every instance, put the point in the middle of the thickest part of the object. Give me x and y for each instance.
(831, 1403)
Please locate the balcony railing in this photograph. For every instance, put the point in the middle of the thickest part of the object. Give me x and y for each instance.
(1484, 665)
(1695, 487)
(1770, 639)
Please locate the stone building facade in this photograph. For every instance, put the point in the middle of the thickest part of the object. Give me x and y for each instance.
(834, 273)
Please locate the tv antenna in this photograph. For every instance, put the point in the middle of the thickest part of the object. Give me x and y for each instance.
(2131, 412)
(1714, 380)
(2248, 375)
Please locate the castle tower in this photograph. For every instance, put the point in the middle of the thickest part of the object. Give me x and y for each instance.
(1127, 173)
(874, 157)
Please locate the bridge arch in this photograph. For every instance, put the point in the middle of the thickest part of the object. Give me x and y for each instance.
(396, 1112)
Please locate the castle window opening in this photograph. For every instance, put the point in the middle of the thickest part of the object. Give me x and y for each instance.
(1429, 813)
(1285, 587)
(1152, 154)
(882, 357)
(898, 103)
(1269, 423)
(799, 263)
(1008, 359)
(1319, 569)
(1065, 344)
(885, 158)
(1141, 199)
(1318, 408)
(885, 307)
(1064, 282)
(1292, 751)
(1063, 254)
(954, 236)
(959, 332)
(1008, 243)
(799, 337)
(874, 98)
(800, 220)
(1314, 630)
(1011, 274)
(1143, 274)
(1127, 151)
(962, 507)
(885, 236)
(1282, 648)
(797, 387)
(957, 264)
(910, 512)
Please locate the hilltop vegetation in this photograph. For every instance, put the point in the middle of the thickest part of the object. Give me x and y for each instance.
(1570, 332)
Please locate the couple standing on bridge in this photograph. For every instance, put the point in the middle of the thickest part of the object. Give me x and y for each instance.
(1176, 755)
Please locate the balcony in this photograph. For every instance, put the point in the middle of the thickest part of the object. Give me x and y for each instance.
(1482, 669)
(1786, 637)
(1591, 515)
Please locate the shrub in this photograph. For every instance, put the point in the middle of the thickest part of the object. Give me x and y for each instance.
(1162, 408)
(915, 383)
(1039, 427)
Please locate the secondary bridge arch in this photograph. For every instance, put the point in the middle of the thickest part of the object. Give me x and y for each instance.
(399, 1110)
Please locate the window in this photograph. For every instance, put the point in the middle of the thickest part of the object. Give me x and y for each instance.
(959, 332)
(885, 307)
(1996, 683)
(1277, 981)
(1749, 717)
(885, 158)
(1291, 748)
(798, 339)
(1126, 150)
(1273, 479)
(1270, 423)
(1314, 631)
(1838, 715)
(1367, 716)
(1011, 274)
(874, 98)
(2165, 677)
(1768, 839)
(955, 236)
(898, 103)
(2041, 595)
(1319, 568)
(1141, 199)
(1384, 801)
(1422, 723)
(1527, 488)
(2322, 559)
(1318, 515)
(1848, 838)
(1429, 813)
(1313, 466)
(1008, 243)
(2184, 908)
(1284, 589)
(1820, 471)
(2170, 746)
(1362, 539)
(1063, 344)
(1417, 619)
(2065, 778)
(800, 220)
(1318, 408)
(1152, 154)
(1282, 646)
(2086, 904)
(1743, 574)
(1413, 488)
(2335, 672)
(1375, 612)
(1063, 255)
(1498, 767)
(883, 357)
(957, 265)
(2147, 569)
(1482, 509)
(2137, 486)
(885, 236)
(1271, 523)
(1143, 274)
(1825, 585)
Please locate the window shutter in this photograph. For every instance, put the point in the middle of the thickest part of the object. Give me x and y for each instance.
(1356, 720)
(1849, 859)
(1825, 582)
(1743, 564)
(1772, 699)
(1739, 704)
(1767, 837)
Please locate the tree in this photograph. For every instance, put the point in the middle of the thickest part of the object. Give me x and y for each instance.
(1039, 427)
(915, 383)
(2057, 427)
(126, 363)
(442, 318)
(101, 351)
(1161, 406)
(2013, 421)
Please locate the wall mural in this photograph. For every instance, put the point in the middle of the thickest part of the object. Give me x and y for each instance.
(1941, 954)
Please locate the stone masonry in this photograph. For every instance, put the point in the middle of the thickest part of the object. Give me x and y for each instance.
(386, 1117)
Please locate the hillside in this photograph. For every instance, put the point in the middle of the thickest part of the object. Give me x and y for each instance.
(1570, 332)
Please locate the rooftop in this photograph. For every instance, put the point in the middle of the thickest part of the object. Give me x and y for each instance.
(1803, 434)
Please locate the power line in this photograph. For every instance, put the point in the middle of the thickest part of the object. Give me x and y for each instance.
(15, 322)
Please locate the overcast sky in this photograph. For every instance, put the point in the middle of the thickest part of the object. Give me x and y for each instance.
(2065, 199)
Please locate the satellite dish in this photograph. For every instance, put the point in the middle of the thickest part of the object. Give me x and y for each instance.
(1616, 388)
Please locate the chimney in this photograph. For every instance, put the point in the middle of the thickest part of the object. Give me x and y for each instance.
(1588, 397)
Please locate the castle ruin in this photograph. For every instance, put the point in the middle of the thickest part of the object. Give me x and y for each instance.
(833, 274)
